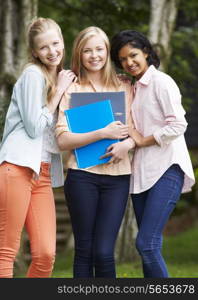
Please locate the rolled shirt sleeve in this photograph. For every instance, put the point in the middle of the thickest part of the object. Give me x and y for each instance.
(169, 98)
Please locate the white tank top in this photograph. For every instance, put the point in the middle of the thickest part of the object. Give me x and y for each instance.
(49, 145)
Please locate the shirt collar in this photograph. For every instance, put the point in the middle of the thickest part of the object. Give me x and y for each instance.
(147, 75)
(89, 85)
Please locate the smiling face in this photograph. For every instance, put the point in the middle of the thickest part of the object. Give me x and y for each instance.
(48, 47)
(133, 60)
(94, 54)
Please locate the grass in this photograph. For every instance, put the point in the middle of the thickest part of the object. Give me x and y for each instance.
(180, 253)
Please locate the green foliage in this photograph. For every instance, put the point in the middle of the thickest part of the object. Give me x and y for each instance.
(184, 62)
(115, 15)
(183, 65)
(188, 11)
(111, 15)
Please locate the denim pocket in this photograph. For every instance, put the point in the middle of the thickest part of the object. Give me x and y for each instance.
(175, 173)
(173, 184)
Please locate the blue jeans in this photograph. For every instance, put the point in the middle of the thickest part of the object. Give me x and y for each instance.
(152, 209)
(96, 205)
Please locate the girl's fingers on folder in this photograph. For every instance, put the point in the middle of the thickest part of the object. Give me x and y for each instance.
(117, 151)
(117, 122)
(116, 130)
(106, 155)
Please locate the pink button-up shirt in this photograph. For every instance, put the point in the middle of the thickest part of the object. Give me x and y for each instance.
(157, 111)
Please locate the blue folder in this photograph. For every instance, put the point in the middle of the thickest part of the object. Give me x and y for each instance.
(88, 118)
(117, 101)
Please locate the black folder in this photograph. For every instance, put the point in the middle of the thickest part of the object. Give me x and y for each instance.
(117, 101)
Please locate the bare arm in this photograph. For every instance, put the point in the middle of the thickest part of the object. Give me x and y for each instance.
(142, 141)
(68, 140)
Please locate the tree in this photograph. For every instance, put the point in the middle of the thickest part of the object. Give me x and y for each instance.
(163, 15)
(14, 18)
(111, 15)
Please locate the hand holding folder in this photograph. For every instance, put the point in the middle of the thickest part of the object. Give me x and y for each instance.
(88, 118)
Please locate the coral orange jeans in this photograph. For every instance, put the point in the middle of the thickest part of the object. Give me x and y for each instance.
(27, 201)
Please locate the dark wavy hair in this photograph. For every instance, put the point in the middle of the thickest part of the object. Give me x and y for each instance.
(136, 40)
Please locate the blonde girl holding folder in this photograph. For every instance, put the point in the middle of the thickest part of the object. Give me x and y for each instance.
(30, 162)
(96, 196)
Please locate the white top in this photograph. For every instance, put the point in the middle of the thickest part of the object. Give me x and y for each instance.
(157, 111)
(26, 120)
(49, 144)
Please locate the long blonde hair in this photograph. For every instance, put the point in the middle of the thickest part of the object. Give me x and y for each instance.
(37, 26)
(109, 77)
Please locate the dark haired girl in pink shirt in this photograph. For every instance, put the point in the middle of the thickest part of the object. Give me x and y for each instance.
(161, 167)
